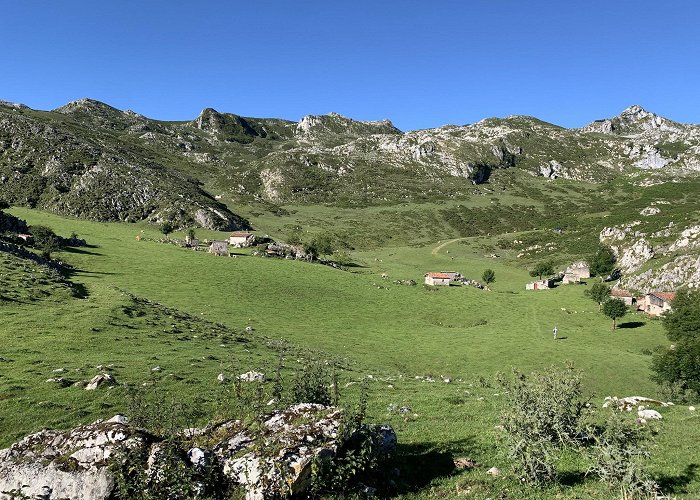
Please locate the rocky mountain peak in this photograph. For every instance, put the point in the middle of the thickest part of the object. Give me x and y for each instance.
(635, 113)
(16, 105)
(633, 121)
(86, 104)
(337, 124)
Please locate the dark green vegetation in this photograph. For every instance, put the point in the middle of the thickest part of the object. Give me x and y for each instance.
(599, 293)
(614, 309)
(677, 366)
(602, 262)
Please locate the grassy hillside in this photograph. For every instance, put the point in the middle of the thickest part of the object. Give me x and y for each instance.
(407, 338)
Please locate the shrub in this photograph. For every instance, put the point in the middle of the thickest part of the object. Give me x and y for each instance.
(314, 384)
(542, 417)
(488, 277)
(599, 293)
(618, 455)
(603, 262)
(45, 240)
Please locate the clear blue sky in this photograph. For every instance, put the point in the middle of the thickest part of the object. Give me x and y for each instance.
(419, 63)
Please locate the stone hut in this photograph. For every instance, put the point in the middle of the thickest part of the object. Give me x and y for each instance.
(578, 270)
(438, 279)
(219, 248)
(241, 239)
(624, 295)
(539, 284)
(656, 303)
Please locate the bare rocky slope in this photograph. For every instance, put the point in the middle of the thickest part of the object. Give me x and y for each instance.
(89, 159)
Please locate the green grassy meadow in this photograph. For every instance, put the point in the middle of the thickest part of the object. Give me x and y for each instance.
(404, 340)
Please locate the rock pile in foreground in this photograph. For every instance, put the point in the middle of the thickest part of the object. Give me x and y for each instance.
(274, 459)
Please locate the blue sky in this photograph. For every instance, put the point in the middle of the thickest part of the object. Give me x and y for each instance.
(421, 64)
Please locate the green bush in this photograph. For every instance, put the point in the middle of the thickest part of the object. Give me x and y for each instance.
(541, 418)
(619, 454)
(315, 383)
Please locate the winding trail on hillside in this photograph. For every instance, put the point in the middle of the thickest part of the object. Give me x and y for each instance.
(442, 245)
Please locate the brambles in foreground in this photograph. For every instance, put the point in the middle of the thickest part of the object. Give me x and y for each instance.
(542, 417)
(619, 453)
(547, 418)
(614, 309)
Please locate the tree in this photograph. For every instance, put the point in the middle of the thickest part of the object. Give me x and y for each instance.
(599, 292)
(488, 277)
(4, 205)
(614, 309)
(678, 365)
(294, 237)
(191, 234)
(166, 228)
(543, 268)
(45, 240)
(603, 262)
(321, 244)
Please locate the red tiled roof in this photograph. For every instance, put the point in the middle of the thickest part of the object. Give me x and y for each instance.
(618, 292)
(665, 296)
(241, 234)
(439, 275)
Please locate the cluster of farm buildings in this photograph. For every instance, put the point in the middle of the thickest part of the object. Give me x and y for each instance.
(653, 303)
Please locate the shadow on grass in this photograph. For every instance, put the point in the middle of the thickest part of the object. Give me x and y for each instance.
(571, 478)
(422, 463)
(632, 324)
(79, 251)
(678, 483)
(80, 291)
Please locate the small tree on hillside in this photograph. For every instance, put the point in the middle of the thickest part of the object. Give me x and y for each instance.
(488, 277)
(45, 240)
(321, 244)
(166, 228)
(294, 237)
(543, 268)
(614, 309)
(4, 205)
(599, 292)
(603, 262)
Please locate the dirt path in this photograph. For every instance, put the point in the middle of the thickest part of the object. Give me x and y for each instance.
(442, 245)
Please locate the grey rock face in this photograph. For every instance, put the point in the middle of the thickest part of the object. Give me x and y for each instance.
(75, 464)
(69, 464)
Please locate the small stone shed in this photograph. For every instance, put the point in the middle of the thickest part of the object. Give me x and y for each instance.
(439, 279)
(539, 284)
(576, 272)
(625, 295)
(241, 239)
(219, 248)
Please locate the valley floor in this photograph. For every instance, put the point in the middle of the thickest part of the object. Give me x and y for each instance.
(433, 351)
